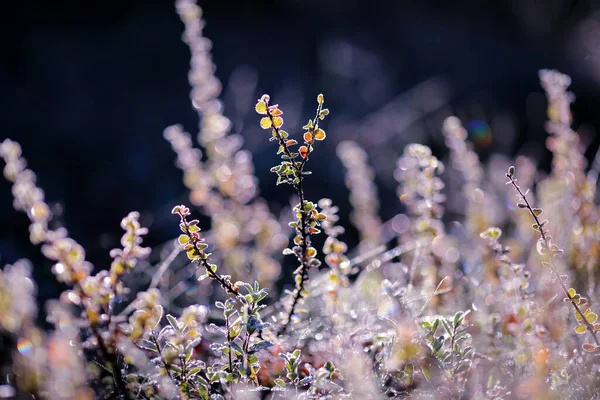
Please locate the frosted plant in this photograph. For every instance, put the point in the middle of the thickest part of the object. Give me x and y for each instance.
(292, 171)
(466, 162)
(443, 314)
(420, 191)
(363, 193)
(222, 180)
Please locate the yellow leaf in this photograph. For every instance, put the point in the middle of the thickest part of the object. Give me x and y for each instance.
(183, 239)
(580, 329)
(319, 134)
(261, 107)
(571, 292)
(320, 99)
(265, 122)
(277, 122)
(192, 254)
(591, 318)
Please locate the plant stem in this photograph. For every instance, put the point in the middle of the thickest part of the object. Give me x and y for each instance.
(113, 360)
(553, 267)
(229, 345)
(225, 283)
(305, 237)
(165, 364)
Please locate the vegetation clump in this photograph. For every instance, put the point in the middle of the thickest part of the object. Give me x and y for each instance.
(454, 305)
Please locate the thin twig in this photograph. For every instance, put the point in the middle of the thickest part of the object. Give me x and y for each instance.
(164, 266)
(552, 264)
(304, 234)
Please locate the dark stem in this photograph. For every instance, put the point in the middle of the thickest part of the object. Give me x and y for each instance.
(165, 364)
(304, 235)
(229, 345)
(225, 283)
(452, 350)
(547, 243)
(112, 359)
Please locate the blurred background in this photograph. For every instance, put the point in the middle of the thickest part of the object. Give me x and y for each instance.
(87, 88)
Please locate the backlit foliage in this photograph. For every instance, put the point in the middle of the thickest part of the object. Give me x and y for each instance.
(456, 302)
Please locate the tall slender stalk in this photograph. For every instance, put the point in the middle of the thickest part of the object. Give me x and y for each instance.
(292, 172)
(552, 251)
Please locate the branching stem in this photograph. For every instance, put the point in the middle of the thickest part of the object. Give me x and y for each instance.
(304, 234)
(552, 264)
(195, 239)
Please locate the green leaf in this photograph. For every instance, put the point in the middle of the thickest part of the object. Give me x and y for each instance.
(447, 327)
(435, 325)
(426, 372)
(492, 233)
(260, 346)
(175, 368)
(309, 125)
(458, 317)
(193, 372)
(148, 345)
(236, 347)
(279, 382)
(173, 321)
(203, 390)
(409, 371)
(511, 171)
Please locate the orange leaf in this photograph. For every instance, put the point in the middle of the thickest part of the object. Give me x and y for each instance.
(303, 151)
